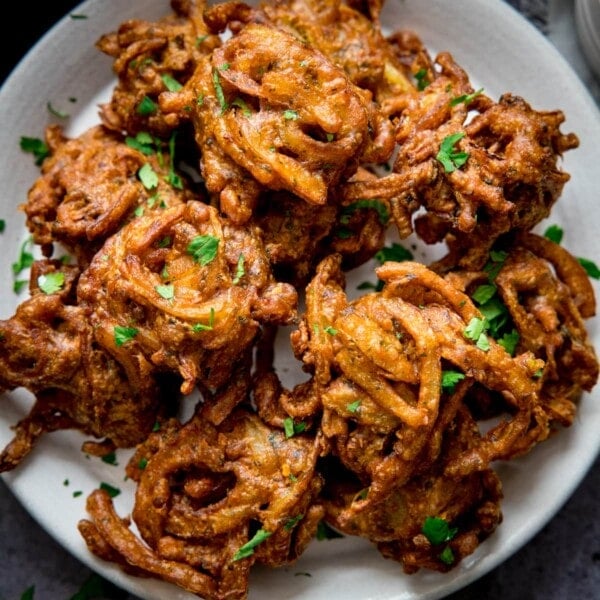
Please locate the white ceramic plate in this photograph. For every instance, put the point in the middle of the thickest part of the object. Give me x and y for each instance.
(502, 53)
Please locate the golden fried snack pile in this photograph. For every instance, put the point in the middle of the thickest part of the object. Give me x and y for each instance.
(236, 175)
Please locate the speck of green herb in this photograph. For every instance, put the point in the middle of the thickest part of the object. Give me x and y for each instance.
(111, 490)
(124, 334)
(170, 82)
(35, 146)
(219, 90)
(451, 158)
(143, 142)
(139, 211)
(66, 482)
(173, 178)
(484, 293)
(291, 428)
(77, 493)
(57, 113)
(437, 530)
(146, 107)
(156, 426)
(78, 16)
(2, 225)
(142, 463)
(554, 233)
(248, 548)
(19, 285)
(28, 593)
(475, 331)
(204, 248)
(466, 99)
(353, 406)
(450, 379)
(590, 267)
(25, 258)
(166, 291)
(290, 115)
(110, 459)
(447, 556)
(240, 270)
(422, 80)
(50, 283)
(377, 205)
(241, 103)
(202, 327)
(292, 522)
(395, 252)
(148, 176)
(509, 341)
(164, 242)
(330, 330)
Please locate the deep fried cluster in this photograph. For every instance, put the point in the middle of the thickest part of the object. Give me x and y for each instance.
(249, 157)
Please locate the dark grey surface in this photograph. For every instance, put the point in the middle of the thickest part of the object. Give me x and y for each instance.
(561, 562)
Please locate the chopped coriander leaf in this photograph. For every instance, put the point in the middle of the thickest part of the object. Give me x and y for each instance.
(493, 266)
(292, 428)
(148, 176)
(142, 463)
(330, 330)
(483, 343)
(25, 259)
(509, 341)
(484, 293)
(28, 593)
(143, 142)
(219, 90)
(35, 146)
(211, 321)
(290, 115)
(240, 103)
(2, 225)
(395, 253)
(170, 82)
(110, 459)
(224, 67)
(353, 406)
(112, 491)
(164, 242)
(166, 291)
(291, 523)
(78, 17)
(450, 158)
(200, 39)
(239, 271)
(465, 98)
(146, 107)
(57, 113)
(437, 530)
(156, 427)
(248, 548)
(475, 328)
(204, 248)
(590, 267)
(447, 556)
(422, 80)
(50, 283)
(325, 532)
(124, 334)
(377, 205)
(19, 285)
(450, 379)
(77, 493)
(554, 233)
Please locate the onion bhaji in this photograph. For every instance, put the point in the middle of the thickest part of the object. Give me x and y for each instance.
(249, 157)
